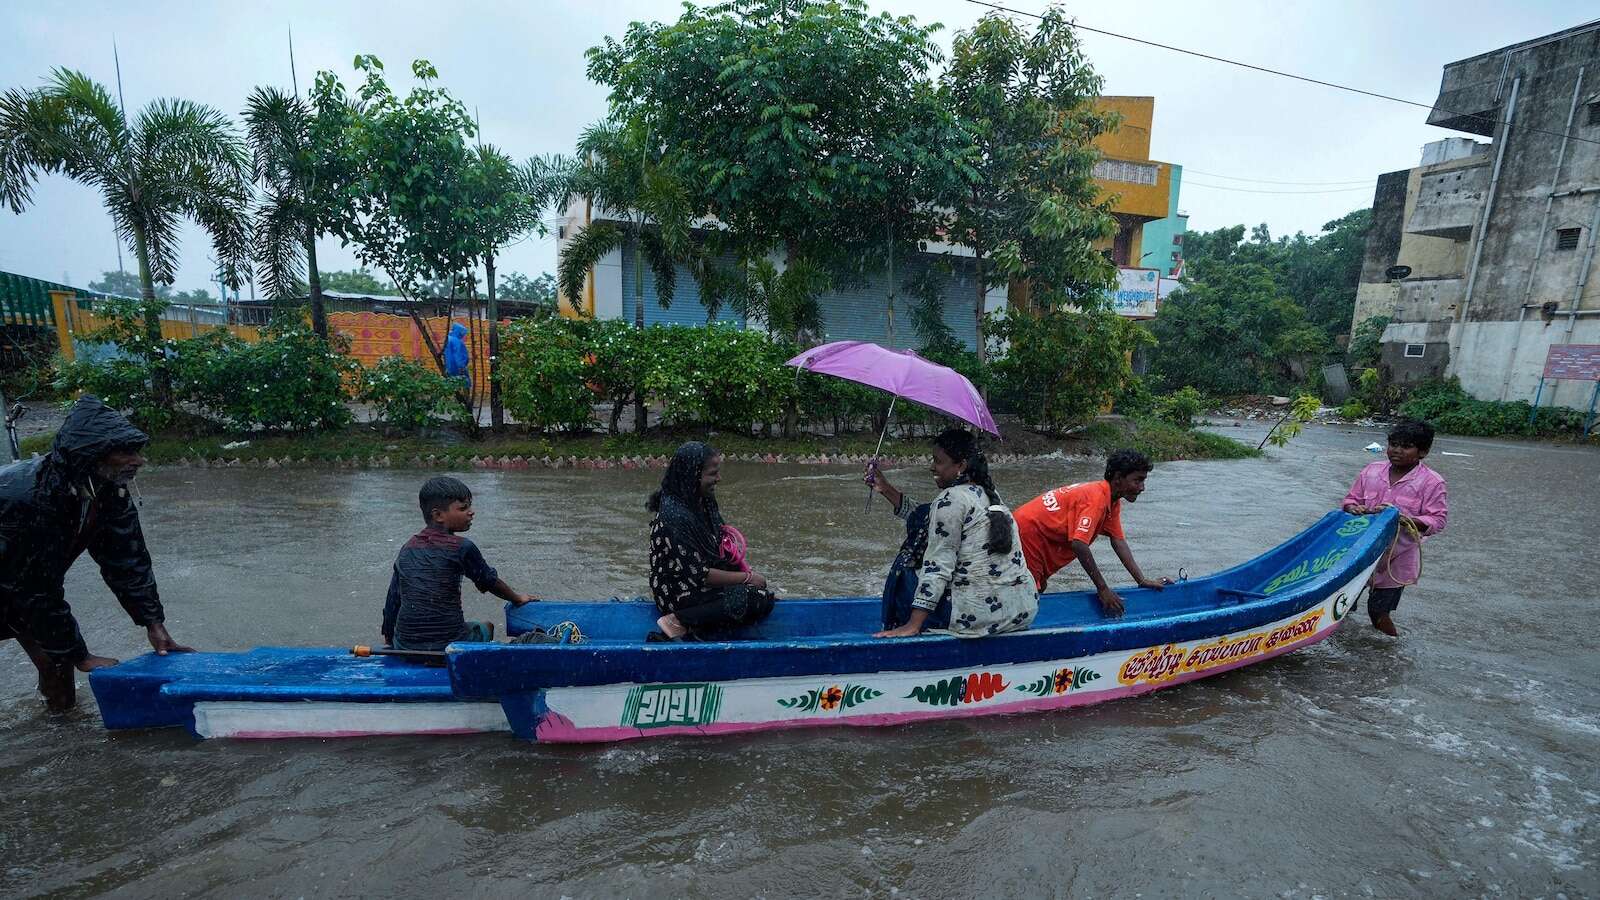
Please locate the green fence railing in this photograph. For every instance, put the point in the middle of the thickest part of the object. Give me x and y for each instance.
(26, 301)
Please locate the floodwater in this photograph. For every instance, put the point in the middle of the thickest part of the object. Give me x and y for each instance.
(1459, 760)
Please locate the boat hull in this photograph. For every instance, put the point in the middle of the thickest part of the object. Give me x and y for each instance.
(627, 711)
(810, 664)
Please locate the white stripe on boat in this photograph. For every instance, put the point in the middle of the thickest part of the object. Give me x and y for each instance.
(238, 719)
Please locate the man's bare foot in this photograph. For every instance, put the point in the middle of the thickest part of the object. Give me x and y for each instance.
(671, 627)
(1386, 625)
(92, 662)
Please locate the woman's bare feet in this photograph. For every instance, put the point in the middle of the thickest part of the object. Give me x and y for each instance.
(1386, 625)
(92, 662)
(671, 627)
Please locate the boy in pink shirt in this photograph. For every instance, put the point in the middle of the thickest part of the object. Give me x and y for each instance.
(1401, 481)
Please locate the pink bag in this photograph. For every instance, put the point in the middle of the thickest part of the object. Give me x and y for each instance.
(734, 546)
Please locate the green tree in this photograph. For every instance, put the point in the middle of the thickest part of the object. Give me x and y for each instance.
(500, 202)
(787, 120)
(1062, 366)
(355, 281)
(1366, 342)
(1322, 272)
(1032, 211)
(541, 290)
(786, 300)
(124, 284)
(174, 160)
(401, 206)
(1231, 331)
(290, 140)
(619, 168)
(1276, 305)
(196, 297)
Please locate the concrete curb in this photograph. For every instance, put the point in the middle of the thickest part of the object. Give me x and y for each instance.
(513, 463)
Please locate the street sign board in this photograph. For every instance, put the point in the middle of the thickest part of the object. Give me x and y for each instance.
(1137, 292)
(1573, 362)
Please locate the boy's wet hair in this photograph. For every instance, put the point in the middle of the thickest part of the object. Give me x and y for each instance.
(1126, 462)
(1412, 433)
(438, 493)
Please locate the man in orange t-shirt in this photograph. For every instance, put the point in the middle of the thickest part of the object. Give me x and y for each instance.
(1059, 525)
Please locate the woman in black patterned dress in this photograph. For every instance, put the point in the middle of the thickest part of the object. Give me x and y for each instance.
(699, 590)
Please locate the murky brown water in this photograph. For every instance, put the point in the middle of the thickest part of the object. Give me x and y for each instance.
(1460, 760)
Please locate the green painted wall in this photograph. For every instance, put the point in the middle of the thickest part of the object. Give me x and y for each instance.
(1158, 246)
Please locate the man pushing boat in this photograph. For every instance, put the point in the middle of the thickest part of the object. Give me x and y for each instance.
(1059, 525)
(54, 507)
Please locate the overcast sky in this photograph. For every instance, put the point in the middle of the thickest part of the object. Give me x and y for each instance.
(521, 65)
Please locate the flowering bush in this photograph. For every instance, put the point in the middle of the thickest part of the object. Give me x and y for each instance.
(716, 375)
(1061, 367)
(290, 381)
(544, 367)
(409, 394)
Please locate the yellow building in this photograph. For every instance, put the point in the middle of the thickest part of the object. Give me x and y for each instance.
(1140, 185)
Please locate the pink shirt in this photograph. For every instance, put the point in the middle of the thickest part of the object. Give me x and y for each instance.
(1421, 495)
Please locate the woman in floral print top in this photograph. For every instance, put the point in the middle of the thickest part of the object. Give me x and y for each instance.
(973, 554)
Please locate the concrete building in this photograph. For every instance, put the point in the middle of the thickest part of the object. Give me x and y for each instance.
(1483, 255)
(1145, 190)
(1162, 241)
(1145, 204)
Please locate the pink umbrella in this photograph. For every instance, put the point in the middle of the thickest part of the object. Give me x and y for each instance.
(903, 374)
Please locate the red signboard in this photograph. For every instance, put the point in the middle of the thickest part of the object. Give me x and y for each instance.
(1574, 362)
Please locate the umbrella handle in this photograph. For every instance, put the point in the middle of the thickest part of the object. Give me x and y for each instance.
(879, 449)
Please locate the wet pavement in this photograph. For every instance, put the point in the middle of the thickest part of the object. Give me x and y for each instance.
(1459, 760)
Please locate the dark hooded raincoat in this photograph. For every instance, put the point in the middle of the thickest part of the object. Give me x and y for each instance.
(52, 508)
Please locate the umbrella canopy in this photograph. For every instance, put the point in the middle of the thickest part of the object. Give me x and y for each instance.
(902, 373)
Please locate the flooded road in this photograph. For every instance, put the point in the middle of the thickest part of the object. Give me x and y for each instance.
(1459, 760)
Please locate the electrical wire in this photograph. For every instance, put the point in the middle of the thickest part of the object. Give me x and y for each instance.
(1351, 181)
(1239, 190)
(1499, 123)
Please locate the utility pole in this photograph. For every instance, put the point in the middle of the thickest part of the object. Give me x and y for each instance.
(115, 230)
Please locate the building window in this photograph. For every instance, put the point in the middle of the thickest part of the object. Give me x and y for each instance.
(1121, 170)
(1567, 238)
(1415, 351)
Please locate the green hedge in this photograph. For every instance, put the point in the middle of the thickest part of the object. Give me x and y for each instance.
(1453, 411)
(289, 381)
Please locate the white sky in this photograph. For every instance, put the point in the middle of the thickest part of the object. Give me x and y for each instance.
(521, 65)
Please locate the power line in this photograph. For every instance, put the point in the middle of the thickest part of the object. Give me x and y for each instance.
(1498, 122)
(1240, 190)
(1353, 181)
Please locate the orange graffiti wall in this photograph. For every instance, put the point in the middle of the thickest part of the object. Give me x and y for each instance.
(373, 336)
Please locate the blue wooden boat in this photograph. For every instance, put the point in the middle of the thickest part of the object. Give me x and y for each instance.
(813, 662)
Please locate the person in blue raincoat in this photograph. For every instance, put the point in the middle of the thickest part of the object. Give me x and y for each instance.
(457, 359)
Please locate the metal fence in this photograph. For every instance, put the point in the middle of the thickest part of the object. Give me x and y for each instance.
(26, 301)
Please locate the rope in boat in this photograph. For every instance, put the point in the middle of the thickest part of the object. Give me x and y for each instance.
(1410, 526)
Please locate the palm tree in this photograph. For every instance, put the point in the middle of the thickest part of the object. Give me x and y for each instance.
(504, 202)
(175, 160)
(618, 170)
(278, 127)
